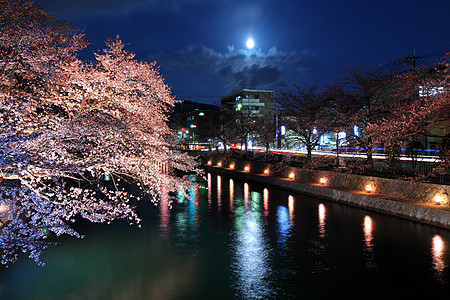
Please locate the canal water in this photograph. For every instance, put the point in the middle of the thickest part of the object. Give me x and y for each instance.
(241, 240)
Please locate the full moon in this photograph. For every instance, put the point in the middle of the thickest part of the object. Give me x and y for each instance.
(250, 44)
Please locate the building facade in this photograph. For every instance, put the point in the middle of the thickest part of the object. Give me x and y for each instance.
(252, 102)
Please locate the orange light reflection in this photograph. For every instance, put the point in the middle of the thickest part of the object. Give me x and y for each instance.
(266, 201)
(209, 189)
(246, 194)
(231, 194)
(438, 250)
(219, 191)
(322, 215)
(291, 208)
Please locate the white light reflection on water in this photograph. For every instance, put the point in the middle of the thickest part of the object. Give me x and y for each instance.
(368, 240)
(322, 215)
(251, 255)
(231, 194)
(438, 251)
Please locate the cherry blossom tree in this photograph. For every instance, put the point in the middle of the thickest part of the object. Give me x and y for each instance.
(421, 109)
(368, 91)
(67, 125)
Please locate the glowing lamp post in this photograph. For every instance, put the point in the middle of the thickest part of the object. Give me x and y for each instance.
(209, 162)
(219, 164)
(322, 180)
(291, 175)
(231, 166)
(266, 172)
(247, 169)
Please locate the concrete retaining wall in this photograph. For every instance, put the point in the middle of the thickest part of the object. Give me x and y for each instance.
(438, 216)
(389, 188)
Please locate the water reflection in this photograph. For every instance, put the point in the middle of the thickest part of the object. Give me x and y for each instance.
(284, 226)
(291, 209)
(251, 251)
(164, 211)
(438, 251)
(209, 190)
(266, 201)
(231, 194)
(322, 215)
(187, 219)
(246, 194)
(219, 191)
(368, 241)
(300, 249)
(285, 222)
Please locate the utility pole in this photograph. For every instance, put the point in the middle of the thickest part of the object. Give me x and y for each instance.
(412, 60)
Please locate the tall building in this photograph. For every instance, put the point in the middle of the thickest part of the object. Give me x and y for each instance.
(253, 102)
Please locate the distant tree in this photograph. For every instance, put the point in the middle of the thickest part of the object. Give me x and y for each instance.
(65, 125)
(244, 126)
(340, 106)
(225, 127)
(368, 91)
(305, 113)
(265, 128)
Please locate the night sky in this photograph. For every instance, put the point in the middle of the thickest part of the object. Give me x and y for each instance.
(200, 45)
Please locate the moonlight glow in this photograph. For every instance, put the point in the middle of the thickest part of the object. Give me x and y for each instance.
(250, 43)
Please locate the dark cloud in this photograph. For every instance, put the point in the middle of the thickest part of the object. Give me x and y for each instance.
(111, 8)
(239, 67)
(253, 75)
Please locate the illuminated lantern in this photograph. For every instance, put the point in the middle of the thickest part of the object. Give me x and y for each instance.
(322, 180)
(247, 168)
(292, 175)
(266, 172)
(369, 188)
(219, 164)
(231, 166)
(438, 199)
(209, 162)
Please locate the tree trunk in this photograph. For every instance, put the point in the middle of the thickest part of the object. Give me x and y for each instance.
(337, 150)
(369, 157)
(309, 155)
(369, 153)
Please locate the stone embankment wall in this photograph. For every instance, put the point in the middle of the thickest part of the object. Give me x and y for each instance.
(405, 199)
